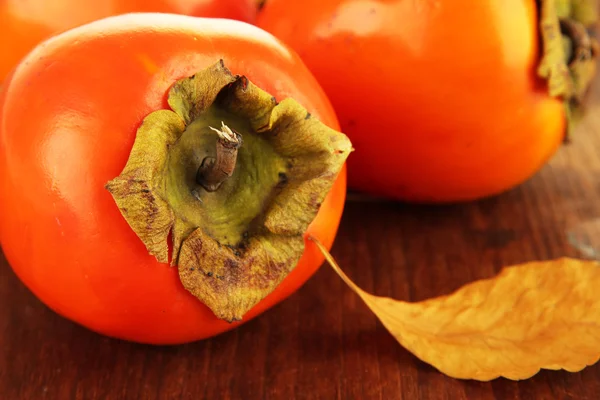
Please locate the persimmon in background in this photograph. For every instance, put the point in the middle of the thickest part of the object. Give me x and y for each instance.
(443, 100)
(25, 23)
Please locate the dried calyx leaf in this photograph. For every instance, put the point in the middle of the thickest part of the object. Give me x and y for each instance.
(539, 315)
(235, 178)
(569, 53)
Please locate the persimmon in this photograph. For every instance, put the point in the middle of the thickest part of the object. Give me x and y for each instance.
(159, 174)
(24, 24)
(444, 101)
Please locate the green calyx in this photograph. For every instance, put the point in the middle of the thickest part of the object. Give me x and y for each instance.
(569, 52)
(235, 178)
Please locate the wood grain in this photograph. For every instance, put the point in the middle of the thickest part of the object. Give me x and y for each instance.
(323, 343)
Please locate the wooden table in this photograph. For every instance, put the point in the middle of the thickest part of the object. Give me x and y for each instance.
(323, 343)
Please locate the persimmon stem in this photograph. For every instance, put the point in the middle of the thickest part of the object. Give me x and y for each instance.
(215, 170)
(583, 45)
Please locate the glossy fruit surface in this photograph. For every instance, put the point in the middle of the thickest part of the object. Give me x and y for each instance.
(25, 23)
(70, 113)
(441, 101)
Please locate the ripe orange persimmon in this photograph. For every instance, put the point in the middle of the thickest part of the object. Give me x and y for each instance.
(70, 112)
(442, 100)
(23, 24)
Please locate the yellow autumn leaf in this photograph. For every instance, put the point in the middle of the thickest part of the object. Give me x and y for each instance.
(538, 315)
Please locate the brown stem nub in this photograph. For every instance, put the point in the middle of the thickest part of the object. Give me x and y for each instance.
(214, 171)
(583, 46)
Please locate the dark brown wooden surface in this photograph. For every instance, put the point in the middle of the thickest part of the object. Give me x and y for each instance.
(323, 343)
